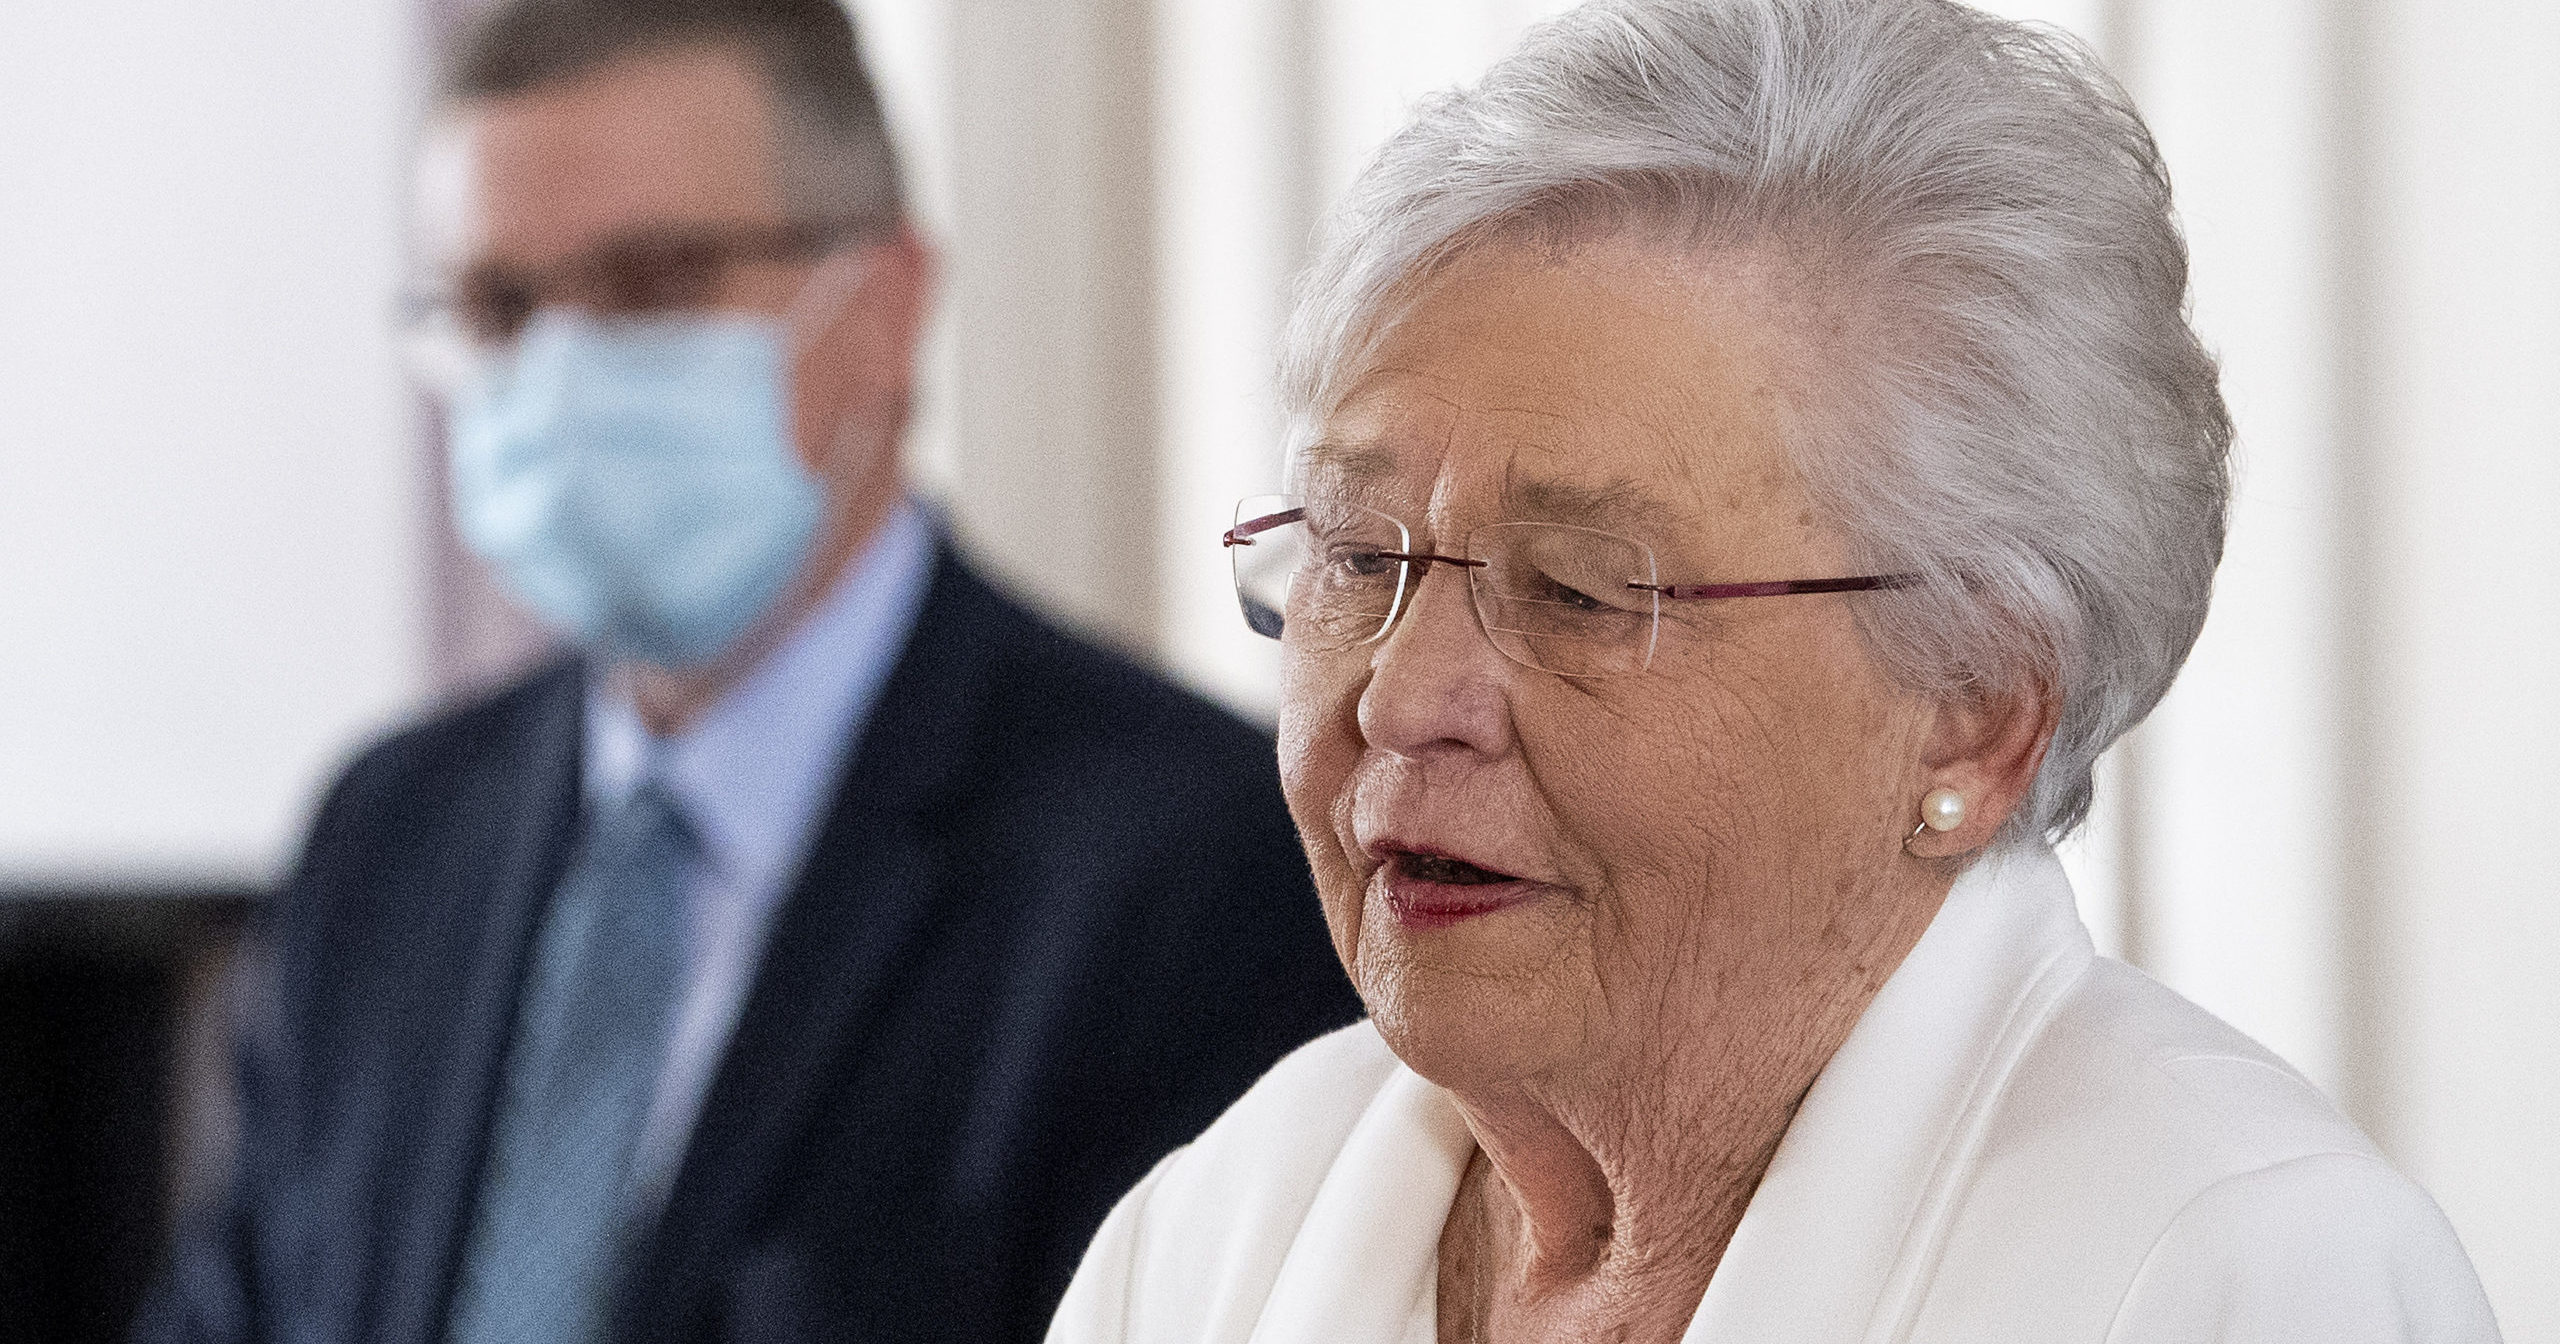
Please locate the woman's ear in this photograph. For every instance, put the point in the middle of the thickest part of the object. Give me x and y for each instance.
(1985, 751)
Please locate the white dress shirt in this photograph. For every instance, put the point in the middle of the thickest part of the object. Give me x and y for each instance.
(2019, 1143)
(754, 775)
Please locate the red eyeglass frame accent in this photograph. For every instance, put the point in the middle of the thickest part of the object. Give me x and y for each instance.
(1242, 534)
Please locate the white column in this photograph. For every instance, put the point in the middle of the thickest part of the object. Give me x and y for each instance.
(1051, 298)
(1235, 207)
(2241, 811)
(2467, 174)
(906, 46)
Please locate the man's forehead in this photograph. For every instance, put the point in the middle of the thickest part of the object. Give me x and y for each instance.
(677, 136)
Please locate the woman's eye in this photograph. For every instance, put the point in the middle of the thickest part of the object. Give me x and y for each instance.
(1366, 562)
(1567, 595)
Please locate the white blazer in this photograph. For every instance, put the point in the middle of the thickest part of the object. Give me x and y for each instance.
(2020, 1141)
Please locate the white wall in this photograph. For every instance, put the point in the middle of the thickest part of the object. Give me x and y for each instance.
(206, 484)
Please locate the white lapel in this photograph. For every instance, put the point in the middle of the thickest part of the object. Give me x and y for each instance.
(1840, 1239)
(1366, 1262)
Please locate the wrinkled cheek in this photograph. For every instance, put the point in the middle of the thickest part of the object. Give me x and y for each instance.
(1383, 977)
(1319, 748)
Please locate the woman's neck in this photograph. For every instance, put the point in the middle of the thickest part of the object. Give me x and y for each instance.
(1555, 1237)
(1599, 1208)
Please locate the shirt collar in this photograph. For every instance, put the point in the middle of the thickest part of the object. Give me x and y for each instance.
(754, 771)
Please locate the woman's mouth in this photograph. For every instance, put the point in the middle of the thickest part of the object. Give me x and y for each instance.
(1434, 891)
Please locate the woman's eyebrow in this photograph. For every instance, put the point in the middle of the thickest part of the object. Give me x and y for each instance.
(1606, 505)
(1349, 461)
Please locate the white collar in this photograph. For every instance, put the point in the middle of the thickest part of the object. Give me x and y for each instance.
(1847, 1219)
(1854, 1201)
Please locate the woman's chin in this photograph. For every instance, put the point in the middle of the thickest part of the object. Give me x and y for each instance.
(1469, 1045)
(1476, 1000)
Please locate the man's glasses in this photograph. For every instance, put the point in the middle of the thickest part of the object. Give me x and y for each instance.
(1575, 601)
(643, 274)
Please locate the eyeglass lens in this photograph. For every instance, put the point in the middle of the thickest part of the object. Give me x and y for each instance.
(1329, 575)
(1317, 572)
(1560, 598)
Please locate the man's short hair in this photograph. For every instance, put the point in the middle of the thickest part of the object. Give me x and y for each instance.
(832, 142)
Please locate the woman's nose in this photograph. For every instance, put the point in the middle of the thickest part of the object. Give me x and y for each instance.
(1436, 684)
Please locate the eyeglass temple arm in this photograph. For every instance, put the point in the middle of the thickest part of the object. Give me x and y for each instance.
(1427, 559)
(1242, 534)
(1779, 587)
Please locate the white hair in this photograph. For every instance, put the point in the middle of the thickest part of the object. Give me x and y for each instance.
(2032, 427)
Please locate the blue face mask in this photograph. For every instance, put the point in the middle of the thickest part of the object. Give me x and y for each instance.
(634, 482)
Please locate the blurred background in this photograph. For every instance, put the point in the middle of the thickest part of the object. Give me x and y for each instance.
(223, 561)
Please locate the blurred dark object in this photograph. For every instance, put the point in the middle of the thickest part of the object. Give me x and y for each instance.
(114, 1094)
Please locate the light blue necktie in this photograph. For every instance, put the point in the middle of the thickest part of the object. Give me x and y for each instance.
(555, 1213)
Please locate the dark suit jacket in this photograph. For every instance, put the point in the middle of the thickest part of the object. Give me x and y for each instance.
(1056, 920)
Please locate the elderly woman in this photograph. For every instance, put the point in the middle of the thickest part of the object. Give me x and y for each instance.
(1752, 460)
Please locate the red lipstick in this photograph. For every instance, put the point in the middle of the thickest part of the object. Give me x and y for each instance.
(1428, 890)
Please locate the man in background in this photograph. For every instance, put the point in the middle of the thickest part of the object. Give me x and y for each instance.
(820, 951)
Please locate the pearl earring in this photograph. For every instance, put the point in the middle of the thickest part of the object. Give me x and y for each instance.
(1940, 810)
